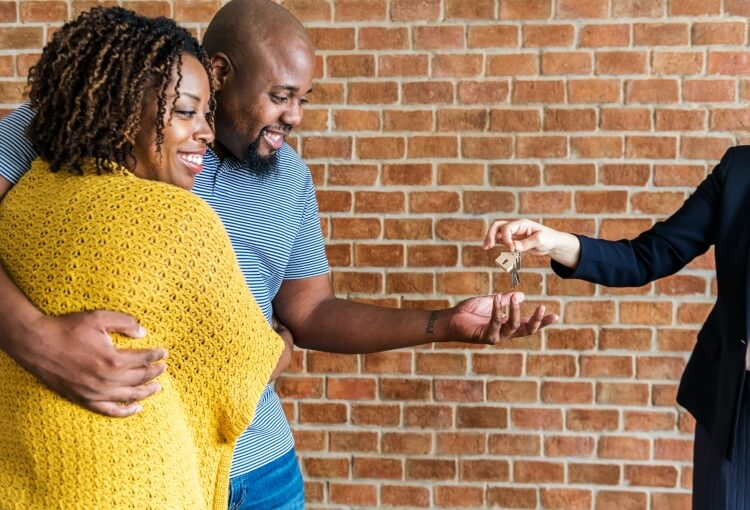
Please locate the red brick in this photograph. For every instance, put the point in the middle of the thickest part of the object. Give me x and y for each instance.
(596, 474)
(596, 147)
(461, 120)
(570, 339)
(328, 147)
(677, 62)
(651, 476)
(512, 65)
(430, 416)
(431, 256)
(514, 175)
(376, 201)
(621, 62)
(704, 148)
(569, 174)
(380, 147)
(695, 8)
(625, 119)
(493, 36)
(659, 368)
(594, 91)
(569, 119)
(404, 389)
(408, 229)
(355, 494)
(412, 120)
(48, 11)
(328, 93)
(651, 147)
(369, 467)
(551, 365)
(430, 469)
(591, 419)
(659, 202)
(16, 38)
(317, 467)
(525, 9)
(515, 120)
(681, 340)
(621, 500)
(459, 390)
(322, 413)
(345, 441)
(344, 66)
(709, 91)
(438, 37)
(457, 65)
(428, 92)
(631, 339)
(410, 10)
(671, 500)
(481, 417)
(488, 201)
(461, 443)
(569, 446)
(512, 391)
(332, 38)
(718, 33)
(651, 91)
(541, 146)
(649, 421)
(622, 394)
(601, 201)
(624, 174)
(680, 120)
(489, 92)
(556, 63)
(509, 497)
(673, 449)
(497, 364)
(344, 282)
(638, 8)
(447, 496)
(544, 202)
(202, 10)
(547, 35)
(515, 444)
(527, 471)
(567, 392)
(484, 470)
(359, 10)
(660, 34)
(372, 93)
(399, 495)
(478, 9)
(378, 414)
(568, 499)
(382, 38)
(728, 62)
(576, 9)
(730, 119)
(737, 8)
(601, 36)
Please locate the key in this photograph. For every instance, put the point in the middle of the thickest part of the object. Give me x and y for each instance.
(511, 262)
(515, 274)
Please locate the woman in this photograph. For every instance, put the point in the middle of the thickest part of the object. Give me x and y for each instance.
(714, 386)
(103, 220)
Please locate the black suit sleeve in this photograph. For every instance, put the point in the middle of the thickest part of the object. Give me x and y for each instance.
(662, 250)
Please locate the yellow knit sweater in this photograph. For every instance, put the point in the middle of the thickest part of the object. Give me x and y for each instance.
(118, 242)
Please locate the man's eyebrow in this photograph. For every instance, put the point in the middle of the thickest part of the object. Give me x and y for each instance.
(291, 88)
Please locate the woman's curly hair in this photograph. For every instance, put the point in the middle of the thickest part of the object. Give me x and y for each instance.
(89, 85)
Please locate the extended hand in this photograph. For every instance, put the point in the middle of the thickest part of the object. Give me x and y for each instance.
(490, 319)
(74, 356)
(527, 235)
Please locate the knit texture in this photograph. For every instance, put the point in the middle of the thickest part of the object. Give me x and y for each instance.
(117, 242)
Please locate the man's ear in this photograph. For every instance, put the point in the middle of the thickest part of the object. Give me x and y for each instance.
(221, 68)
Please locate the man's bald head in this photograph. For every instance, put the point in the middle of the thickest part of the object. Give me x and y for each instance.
(242, 27)
(263, 64)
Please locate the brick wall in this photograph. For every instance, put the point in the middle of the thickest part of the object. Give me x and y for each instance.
(429, 119)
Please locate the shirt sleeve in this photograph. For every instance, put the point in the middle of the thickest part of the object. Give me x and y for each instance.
(16, 151)
(308, 256)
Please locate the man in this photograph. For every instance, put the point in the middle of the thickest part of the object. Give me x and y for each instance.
(263, 65)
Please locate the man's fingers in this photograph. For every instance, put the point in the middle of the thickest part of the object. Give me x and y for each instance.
(114, 409)
(497, 319)
(514, 318)
(119, 323)
(139, 358)
(141, 375)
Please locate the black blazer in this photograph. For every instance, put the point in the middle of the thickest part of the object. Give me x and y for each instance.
(717, 213)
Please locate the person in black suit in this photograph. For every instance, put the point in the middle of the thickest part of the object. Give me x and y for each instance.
(714, 386)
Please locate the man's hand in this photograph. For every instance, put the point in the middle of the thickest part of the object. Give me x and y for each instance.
(286, 355)
(491, 319)
(74, 356)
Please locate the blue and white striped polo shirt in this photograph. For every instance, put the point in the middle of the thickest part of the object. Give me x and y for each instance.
(273, 224)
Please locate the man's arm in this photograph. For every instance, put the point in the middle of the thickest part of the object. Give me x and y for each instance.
(73, 354)
(318, 320)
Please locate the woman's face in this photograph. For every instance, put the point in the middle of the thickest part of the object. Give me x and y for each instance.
(187, 131)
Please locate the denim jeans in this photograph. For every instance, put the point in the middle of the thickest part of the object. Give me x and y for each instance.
(275, 486)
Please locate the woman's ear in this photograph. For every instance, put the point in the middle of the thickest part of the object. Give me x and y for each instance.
(221, 67)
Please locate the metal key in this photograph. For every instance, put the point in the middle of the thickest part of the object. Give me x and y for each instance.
(511, 262)
(515, 274)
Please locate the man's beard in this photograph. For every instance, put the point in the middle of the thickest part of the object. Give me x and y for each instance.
(258, 164)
